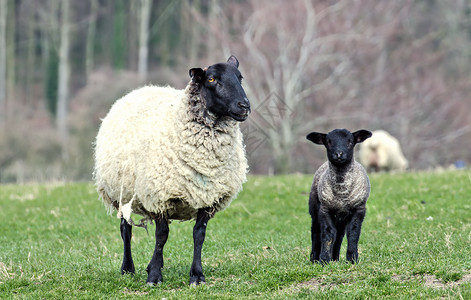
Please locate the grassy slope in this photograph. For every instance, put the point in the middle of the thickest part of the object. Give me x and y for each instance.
(58, 242)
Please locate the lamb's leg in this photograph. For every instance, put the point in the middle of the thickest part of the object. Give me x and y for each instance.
(154, 269)
(353, 235)
(338, 242)
(328, 234)
(199, 232)
(315, 226)
(315, 239)
(126, 233)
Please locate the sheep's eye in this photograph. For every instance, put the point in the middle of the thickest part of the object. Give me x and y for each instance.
(211, 79)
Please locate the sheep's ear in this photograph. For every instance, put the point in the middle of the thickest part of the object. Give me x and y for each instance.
(361, 135)
(197, 75)
(232, 60)
(317, 138)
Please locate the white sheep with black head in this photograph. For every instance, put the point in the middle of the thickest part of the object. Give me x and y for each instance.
(169, 154)
(382, 152)
(337, 201)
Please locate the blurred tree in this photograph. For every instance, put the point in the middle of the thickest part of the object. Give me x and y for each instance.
(191, 33)
(284, 43)
(3, 65)
(29, 60)
(48, 14)
(165, 32)
(146, 6)
(133, 28)
(402, 66)
(89, 55)
(162, 32)
(64, 75)
(10, 58)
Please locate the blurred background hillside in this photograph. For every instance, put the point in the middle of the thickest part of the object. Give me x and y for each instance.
(403, 66)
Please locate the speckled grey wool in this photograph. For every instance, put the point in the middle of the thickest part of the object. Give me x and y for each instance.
(341, 190)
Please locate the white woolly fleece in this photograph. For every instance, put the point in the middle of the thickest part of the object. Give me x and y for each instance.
(382, 150)
(155, 156)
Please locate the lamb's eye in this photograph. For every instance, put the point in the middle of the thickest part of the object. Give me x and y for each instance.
(211, 79)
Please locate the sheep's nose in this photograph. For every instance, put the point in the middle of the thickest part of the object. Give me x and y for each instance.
(339, 154)
(245, 105)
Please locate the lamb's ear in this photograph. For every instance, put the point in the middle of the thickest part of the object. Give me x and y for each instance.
(317, 138)
(232, 60)
(197, 75)
(361, 135)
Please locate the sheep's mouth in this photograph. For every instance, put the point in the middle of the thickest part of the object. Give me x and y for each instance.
(240, 117)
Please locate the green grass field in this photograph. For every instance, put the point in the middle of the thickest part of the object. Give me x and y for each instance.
(57, 242)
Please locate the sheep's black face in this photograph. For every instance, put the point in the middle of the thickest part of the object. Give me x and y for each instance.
(221, 88)
(339, 143)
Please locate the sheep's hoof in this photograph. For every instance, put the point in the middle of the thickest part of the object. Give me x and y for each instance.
(197, 280)
(154, 276)
(194, 284)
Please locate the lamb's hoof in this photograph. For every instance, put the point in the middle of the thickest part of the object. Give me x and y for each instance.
(130, 271)
(152, 284)
(324, 260)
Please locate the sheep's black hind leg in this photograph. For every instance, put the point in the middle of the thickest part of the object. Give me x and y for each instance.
(154, 269)
(199, 233)
(126, 233)
(353, 235)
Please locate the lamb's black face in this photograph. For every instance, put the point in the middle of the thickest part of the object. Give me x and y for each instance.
(222, 90)
(339, 143)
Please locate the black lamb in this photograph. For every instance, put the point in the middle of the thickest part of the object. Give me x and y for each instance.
(338, 196)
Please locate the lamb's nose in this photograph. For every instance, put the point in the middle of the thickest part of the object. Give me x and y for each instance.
(339, 154)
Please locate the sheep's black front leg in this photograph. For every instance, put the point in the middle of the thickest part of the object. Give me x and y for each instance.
(154, 269)
(199, 233)
(328, 234)
(126, 233)
(315, 239)
(353, 234)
